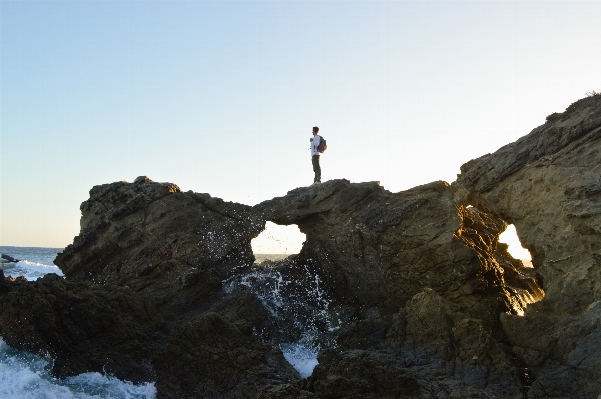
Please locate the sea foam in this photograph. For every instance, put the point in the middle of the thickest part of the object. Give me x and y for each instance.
(31, 270)
(302, 358)
(25, 376)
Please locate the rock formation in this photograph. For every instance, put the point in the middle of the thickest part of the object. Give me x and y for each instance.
(548, 185)
(405, 294)
(137, 301)
(425, 279)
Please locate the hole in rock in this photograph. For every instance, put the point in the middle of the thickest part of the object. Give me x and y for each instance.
(499, 264)
(276, 242)
(292, 293)
(510, 237)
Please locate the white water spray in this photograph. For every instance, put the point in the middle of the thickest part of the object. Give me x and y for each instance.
(296, 299)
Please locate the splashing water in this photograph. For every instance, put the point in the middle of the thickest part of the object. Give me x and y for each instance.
(31, 270)
(302, 358)
(295, 297)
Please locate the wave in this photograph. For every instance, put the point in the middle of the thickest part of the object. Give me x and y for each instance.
(25, 376)
(31, 270)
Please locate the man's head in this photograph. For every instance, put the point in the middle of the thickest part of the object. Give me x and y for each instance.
(315, 130)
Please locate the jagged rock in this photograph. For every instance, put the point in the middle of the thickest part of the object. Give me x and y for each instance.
(171, 247)
(420, 265)
(381, 260)
(82, 326)
(547, 184)
(563, 352)
(408, 294)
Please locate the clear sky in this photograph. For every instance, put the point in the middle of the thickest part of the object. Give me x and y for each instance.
(220, 96)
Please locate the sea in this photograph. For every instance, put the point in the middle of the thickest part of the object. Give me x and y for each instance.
(26, 376)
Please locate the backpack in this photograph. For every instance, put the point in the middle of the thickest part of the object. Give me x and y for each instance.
(322, 145)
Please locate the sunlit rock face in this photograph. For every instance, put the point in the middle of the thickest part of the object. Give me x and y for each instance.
(517, 284)
(548, 185)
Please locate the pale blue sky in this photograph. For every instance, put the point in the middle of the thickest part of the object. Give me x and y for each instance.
(220, 96)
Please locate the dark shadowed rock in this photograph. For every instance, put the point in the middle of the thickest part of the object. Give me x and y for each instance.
(82, 326)
(362, 374)
(171, 247)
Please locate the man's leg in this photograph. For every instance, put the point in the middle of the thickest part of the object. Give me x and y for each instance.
(316, 168)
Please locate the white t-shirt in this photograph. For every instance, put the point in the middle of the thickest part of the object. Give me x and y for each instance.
(315, 145)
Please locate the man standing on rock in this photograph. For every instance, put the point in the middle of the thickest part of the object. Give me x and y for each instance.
(315, 140)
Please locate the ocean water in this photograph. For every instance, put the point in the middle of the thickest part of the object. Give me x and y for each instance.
(261, 258)
(34, 262)
(26, 376)
(301, 356)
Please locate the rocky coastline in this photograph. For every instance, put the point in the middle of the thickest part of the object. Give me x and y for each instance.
(407, 295)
